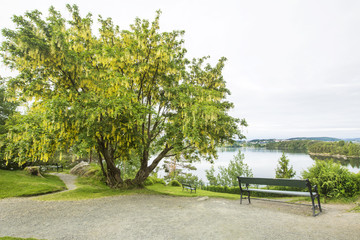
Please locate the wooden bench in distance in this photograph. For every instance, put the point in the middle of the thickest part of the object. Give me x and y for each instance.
(56, 167)
(312, 190)
(188, 187)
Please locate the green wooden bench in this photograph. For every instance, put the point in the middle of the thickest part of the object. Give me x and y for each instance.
(188, 187)
(56, 167)
(305, 184)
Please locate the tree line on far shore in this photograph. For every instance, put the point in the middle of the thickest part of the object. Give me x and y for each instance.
(342, 148)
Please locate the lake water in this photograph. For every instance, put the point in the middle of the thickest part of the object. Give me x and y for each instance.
(263, 162)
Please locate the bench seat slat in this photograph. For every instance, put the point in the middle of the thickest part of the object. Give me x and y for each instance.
(294, 193)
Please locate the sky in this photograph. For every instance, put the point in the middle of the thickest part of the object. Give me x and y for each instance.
(293, 67)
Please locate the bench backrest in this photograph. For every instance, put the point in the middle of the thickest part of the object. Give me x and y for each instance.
(275, 182)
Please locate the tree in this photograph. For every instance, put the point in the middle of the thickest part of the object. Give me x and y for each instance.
(283, 170)
(175, 167)
(228, 175)
(131, 95)
(7, 109)
(210, 176)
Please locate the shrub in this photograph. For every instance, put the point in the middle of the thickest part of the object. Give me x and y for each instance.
(149, 181)
(160, 180)
(332, 179)
(175, 183)
(152, 180)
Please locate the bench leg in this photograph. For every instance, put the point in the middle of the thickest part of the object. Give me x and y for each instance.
(241, 197)
(313, 205)
(318, 198)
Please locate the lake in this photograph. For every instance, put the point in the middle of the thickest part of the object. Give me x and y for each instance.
(263, 162)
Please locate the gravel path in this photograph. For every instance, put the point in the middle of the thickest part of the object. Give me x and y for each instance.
(167, 217)
(68, 179)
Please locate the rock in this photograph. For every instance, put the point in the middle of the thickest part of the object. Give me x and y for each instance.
(34, 170)
(80, 169)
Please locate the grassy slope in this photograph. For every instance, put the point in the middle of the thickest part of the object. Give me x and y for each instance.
(88, 188)
(177, 191)
(19, 183)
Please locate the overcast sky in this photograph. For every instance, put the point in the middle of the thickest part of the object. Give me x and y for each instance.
(293, 66)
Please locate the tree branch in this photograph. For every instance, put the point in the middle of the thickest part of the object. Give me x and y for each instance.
(159, 158)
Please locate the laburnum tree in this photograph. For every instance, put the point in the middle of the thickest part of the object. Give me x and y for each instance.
(7, 109)
(129, 94)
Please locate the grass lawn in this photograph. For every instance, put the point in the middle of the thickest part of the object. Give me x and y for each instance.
(88, 188)
(178, 191)
(19, 183)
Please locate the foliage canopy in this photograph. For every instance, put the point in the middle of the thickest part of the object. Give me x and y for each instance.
(131, 94)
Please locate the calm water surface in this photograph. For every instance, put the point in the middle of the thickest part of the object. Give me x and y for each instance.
(263, 162)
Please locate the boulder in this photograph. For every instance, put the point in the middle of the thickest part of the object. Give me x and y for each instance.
(33, 170)
(80, 169)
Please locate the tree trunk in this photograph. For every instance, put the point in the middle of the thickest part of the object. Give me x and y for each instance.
(145, 170)
(112, 173)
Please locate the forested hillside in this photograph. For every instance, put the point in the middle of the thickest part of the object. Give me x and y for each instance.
(320, 148)
(298, 145)
(341, 148)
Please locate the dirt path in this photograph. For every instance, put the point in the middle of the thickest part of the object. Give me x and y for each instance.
(167, 217)
(68, 179)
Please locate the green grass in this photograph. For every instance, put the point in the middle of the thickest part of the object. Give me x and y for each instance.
(88, 188)
(19, 183)
(178, 191)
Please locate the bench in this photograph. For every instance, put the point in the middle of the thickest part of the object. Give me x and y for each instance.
(56, 167)
(312, 190)
(188, 187)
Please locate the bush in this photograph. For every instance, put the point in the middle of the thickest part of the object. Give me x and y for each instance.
(149, 181)
(332, 179)
(175, 183)
(152, 180)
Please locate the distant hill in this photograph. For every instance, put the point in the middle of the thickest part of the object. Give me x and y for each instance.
(324, 139)
(352, 139)
(262, 140)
